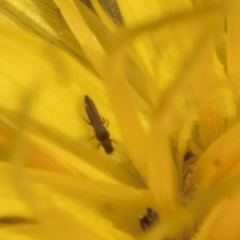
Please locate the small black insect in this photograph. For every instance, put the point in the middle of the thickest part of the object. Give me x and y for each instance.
(102, 134)
(188, 155)
(149, 219)
(15, 220)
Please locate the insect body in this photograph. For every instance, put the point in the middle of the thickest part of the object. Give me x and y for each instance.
(149, 219)
(102, 134)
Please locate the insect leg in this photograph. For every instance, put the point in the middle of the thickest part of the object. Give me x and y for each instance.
(86, 121)
(105, 121)
(99, 145)
(112, 140)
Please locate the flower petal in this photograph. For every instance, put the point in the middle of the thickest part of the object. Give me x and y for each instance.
(44, 18)
(89, 202)
(56, 114)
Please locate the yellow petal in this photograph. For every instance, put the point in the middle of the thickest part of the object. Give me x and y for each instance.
(221, 158)
(44, 18)
(233, 51)
(210, 221)
(56, 114)
(226, 224)
(89, 202)
(89, 42)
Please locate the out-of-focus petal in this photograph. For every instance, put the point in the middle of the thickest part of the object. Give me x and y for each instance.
(44, 18)
(86, 201)
(207, 225)
(57, 113)
(225, 224)
(219, 160)
(77, 24)
(232, 42)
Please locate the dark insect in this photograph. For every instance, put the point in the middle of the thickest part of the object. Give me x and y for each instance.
(15, 220)
(188, 155)
(149, 219)
(102, 134)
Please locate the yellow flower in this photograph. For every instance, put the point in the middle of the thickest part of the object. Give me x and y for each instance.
(164, 74)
